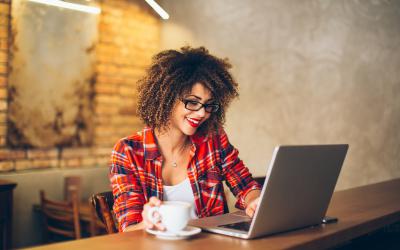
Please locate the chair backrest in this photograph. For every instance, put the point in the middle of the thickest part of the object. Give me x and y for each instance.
(260, 180)
(60, 218)
(72, 183)
(103, 205)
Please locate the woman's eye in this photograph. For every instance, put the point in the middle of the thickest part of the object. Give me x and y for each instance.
(192, 102)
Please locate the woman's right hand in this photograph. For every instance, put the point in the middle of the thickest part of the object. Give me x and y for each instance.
(153, 202)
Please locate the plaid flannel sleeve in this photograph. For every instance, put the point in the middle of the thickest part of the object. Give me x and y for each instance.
(237, 175)
(125, 184)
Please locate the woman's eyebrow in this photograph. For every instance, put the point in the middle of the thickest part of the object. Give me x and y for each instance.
(195, 96)
(199, 98)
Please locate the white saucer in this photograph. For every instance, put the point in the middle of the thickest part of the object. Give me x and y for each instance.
(185, 233)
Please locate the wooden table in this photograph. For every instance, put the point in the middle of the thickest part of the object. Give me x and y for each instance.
(6, 202)
(360, 211)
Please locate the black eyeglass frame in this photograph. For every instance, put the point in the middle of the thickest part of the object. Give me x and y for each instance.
(214, 106)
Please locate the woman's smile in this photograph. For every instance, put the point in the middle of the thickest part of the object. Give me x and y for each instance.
(193, 122)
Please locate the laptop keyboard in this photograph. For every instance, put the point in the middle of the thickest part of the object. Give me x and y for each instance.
(242, 226)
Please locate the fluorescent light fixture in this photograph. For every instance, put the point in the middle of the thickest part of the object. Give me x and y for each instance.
(158, 9)
(71, 6)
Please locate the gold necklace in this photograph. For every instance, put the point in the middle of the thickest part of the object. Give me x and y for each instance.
(174, 164)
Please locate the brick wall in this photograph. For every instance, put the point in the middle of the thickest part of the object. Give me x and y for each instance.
(4, 31)
(129, 34)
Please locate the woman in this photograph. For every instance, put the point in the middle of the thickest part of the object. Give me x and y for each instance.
(183, 153)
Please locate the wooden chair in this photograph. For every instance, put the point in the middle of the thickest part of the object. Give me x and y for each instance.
(260, 180)
(102, 204)
(72, 183)
(60, 218)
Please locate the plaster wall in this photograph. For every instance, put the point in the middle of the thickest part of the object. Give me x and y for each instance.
(309, 72)
(51, 92)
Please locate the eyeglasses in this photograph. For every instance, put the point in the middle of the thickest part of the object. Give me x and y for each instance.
(193, 105)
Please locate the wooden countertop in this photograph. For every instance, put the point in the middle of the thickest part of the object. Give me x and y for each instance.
(360, 210)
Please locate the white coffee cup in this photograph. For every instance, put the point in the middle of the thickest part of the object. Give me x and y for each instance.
(174, 215)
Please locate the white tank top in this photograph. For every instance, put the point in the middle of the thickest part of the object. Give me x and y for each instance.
(181, 192)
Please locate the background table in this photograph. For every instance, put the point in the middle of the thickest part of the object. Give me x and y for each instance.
(6, 202)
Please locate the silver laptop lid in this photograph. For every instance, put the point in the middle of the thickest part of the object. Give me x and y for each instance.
(298, 187)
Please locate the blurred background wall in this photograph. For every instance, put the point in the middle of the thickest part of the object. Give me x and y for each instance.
(128, 35)
(309, 72)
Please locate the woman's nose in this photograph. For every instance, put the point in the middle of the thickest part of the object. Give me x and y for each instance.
(201, 112)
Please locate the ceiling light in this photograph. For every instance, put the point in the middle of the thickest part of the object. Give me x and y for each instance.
(158, 9)
(71, 6)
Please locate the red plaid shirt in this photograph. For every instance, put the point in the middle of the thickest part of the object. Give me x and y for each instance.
(135, 175)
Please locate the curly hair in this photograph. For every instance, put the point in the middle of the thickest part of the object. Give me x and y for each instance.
(172, 75)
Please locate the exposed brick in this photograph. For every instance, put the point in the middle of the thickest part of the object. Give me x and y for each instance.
(3, 129)
(125, 120)
(102, 161)
(43, 153)
(88, 162)
(6, 166)
(4, 8)
(127, 91)
(3, 32)
(71, 163)
(128, 130)
(23, 165)
(106, 49)
(112, 12)
(3, 117)
(8, 154)
(110, 80)
(3, 68)
(76, 152)
(108, 69)
(3, 56)
(106, 89)
(134, 72)
(128, 111)
(3, 44)
(106, 109)
(106, 141)
(108, 99)
(3, 81)
(104, 130)
(35, 164)
(53, 163)
(3, 93)
(102, 151)
(3, 105)
(4, 20)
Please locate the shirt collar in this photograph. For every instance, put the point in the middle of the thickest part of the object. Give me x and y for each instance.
(150, 147)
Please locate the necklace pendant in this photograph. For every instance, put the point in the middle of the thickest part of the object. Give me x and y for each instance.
(174, 165)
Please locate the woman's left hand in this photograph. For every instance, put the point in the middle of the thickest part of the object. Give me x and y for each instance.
(251, 207)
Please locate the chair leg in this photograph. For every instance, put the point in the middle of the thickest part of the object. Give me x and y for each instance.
(93, 226)
(75, 208)
(45, 233)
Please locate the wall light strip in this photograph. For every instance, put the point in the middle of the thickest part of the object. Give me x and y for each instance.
(71, 6)
(158, 9)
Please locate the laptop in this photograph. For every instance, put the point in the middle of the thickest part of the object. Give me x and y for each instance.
(297, 190)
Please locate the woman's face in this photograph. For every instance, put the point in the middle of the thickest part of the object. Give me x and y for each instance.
(188, 121)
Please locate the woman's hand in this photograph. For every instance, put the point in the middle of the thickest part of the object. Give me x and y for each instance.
(153, 202)
(252, 199)
(251, 207)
